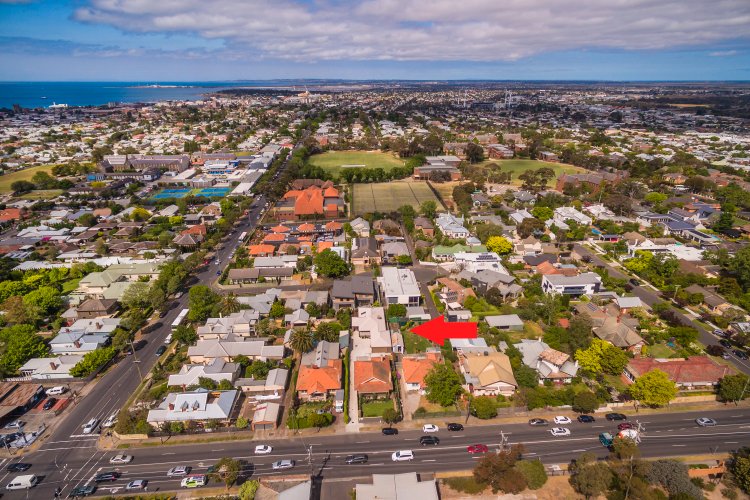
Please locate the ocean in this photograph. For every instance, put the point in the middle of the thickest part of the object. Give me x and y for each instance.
(44, 94)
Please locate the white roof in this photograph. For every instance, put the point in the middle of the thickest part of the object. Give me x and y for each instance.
(397, 281)
(628, 302)
(504, 320)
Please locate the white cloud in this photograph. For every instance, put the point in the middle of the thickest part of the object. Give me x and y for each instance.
(476, 30)
(723, 53)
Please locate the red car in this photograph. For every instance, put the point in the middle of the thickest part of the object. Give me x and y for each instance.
(477, 448)
(625, 425)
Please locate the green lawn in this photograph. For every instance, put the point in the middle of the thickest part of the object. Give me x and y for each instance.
(414, 344)
(22, 175)
(333, 161)
(70, 285)
(517, 167)
(660, 351)
(389, 196)
(376, 408)
(615, 381)
(42, 194)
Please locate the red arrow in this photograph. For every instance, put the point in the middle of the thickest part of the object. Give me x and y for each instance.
(437, 330)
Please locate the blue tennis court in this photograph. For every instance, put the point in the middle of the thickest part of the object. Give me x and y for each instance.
(172, 193)
(213, 192)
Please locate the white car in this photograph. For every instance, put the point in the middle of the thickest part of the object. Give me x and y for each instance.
(110, 422)
(182, 470)
(402, 456)
(56, 391)
(560, 420)
(430, 428)
(193, 481)
(263, 449)
(705, 422)
(121, 459)
(138, 484)
(168, 340)
(559, 431)
(16, 424)
(90, 426)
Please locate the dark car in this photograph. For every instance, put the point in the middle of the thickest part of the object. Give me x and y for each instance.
(49, 403)
(356, 459)
(740, 354)
(18, 467)
(82, 491)
(538, 421)
(429, 440)
(725, 343)
(634, 282)
(106, 476)
(586, 419)
(455, 427)
(390, 431)
(616, 416)
(161, 350)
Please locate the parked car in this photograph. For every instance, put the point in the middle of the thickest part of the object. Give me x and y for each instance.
(429, 441)
(561, 420)
(263, 449)
(90, 426)
(560, 431)
(137, 484)
(56, 391)
(111, 421)
(740, 354)
(390, 431)
(18, 467)
(106, 476)
(168, 339)
(16, 424)
(49, 404)
(615, 416)
(477, 448)
(725, 343)
(161, 350)
(586, 419)
(705, 422)
(356, 459)
(402, 456)
(82, 491)
(538, 421)
(282, 464)
(180, 470)
(121, 459)
(634, 282)
(195, 481)
(455, 427)
(430, 428)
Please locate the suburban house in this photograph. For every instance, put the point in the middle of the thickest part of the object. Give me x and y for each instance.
(549, 363)
(415, 368)
(77, 342)
(510, 322)
(564, 214)
(475, 262)
(217, 371)
(370, 323)
(50, 368)
(453, 291)
(360, 227)
(488, 374)
(583, 284)
(273, 385)
(355, 292)
(318, 382)
(239, 276)
(399, 286)
(693, 373)
(618, 329)
(311, 202)
(239, 324)
(425, 225)
(365, 252)
(297, 319)
(206, 351)
(392, 250)
(712, 301)
(373, 377)
(441, 253)
(451, 226)
(406, 486)
(96, 308)
(197, 406)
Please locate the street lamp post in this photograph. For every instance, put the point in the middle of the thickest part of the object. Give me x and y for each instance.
(136, 361)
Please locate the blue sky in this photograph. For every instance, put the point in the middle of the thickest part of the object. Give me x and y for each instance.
(190, 40)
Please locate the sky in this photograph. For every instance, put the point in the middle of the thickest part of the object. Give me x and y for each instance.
(223, 40)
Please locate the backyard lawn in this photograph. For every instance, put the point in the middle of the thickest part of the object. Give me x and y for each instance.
(660, 351)
(414, 343)
(334, 161)
(517, 167)
(376, 408)
(42, 194)
(22, 175)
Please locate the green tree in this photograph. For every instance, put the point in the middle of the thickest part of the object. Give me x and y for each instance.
(390, 416)
(484, 407)
(329, 264)
(653, 388)
(20, 343)
(92, 361)
(185, 335)
(734, 387)
(301, 341)
(601, 356)
(443, 385)
(46, 298)
(201, 301)
(21, 187)
(614, 360)
(499, 244)
(474, 153)
(673, 476)
(428, 208)
(533, 471)
(136, 296)
(277, 310)
(542, 213)
(396, 311)
(585, 402)
(740, 468)
(724, 222)
(228, 304)
(492, 469)
(328, 331)
(226, 470)
(529, 226)
(589, 477)
(248, 489)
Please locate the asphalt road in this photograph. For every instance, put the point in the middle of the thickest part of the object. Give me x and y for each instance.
(650, 298)
(665, 435)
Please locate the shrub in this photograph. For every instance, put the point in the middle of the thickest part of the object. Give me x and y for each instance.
(241, 423)
(484, 407)
(534, 473)
(465, 485)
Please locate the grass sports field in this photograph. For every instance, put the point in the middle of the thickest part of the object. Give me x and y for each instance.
(389, 196)
(517, 167)
(22, 175)
(332, 161)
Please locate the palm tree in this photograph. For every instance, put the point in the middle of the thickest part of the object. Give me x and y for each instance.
(229, 304)
(301, 341)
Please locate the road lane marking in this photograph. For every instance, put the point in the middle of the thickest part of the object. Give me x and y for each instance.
(429, 460)
(679, 445)
(361, 442)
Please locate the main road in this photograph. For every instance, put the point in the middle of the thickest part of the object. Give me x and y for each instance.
(667, 434)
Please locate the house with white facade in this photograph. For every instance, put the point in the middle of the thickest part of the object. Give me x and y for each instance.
(451, 226)
(217, 371)
(563, 214)
(475, 262)
(197, 406)
(583, 284)
(399, 286)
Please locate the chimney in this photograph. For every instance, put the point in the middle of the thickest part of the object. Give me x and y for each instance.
(52, 365)
(171, 406)
(619, 316)
(77, 344)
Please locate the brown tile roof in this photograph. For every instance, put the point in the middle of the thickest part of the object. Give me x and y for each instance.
(693, 370)
(198, 229)
(557, 358)
(373, 376)
(10, 214)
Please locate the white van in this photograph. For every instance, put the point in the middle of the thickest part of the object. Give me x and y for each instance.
(22, 482)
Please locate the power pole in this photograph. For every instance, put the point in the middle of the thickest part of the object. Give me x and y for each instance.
(504, 443)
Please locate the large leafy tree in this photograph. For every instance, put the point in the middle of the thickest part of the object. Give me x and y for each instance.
(136, 295)
(329, 264)
(227, 470)
(496, 470)
(328, 331)
(443, 385)
(740, 467)
(585, 402)
(484, 407)
(301, 341)
(589, 477)
(601, 356)
(653, 388)
(499, 244)
(19, 343)
(46, 298)
(201, 302)
(734, 387)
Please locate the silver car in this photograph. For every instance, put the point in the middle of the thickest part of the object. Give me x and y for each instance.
(705, 422)
(282, 464)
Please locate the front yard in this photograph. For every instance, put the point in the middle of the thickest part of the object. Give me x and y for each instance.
(376, 408)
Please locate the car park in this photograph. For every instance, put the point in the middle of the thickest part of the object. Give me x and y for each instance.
(430, 428)
(138, 484)
(455, 427)
(18, 467)
(49, 404)
(477, 448)
(82, 491)
(559, 431)
(263, 449)
(615, 416)
(180, 470)
(56, 391)
(390, 431)
(282, 464)
(195, 481)
(429, 441)
(586, 419)
(402, 456)
(110, 422)
(356, 459)
(538, 422)
(121, 459)
(106, 476)
(90, 426)
(561, 420)
(705, 422)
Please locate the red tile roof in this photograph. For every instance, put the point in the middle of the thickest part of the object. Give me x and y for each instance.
(334, 226)
(280, 229)
(312, 379)
(10, 214)
(274, 237)
(416, 369)
(373, 376)
(693, 370)
(199, 229)
(322, 245)
(261, 249)
(305, 228)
